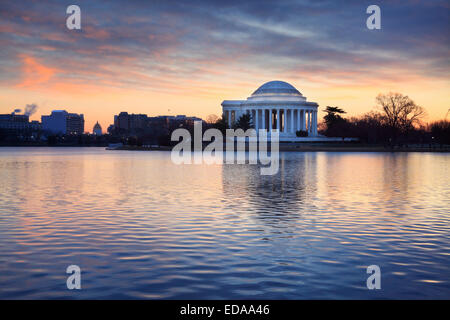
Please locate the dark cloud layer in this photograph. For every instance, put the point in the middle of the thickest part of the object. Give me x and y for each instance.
(162, 40)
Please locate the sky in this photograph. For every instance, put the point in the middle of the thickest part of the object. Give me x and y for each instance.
(186, 57)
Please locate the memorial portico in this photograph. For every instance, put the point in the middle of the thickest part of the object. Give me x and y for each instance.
(276, 105)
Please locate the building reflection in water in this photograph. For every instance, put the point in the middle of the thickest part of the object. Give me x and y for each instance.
(281, 197)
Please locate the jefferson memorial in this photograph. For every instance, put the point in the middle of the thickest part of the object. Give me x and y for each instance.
(276, 105)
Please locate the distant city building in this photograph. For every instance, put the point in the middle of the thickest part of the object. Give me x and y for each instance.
(110, 128)
(62, 122)
(171, 121)
(75, 123)
(18, 122)
(130, 122)
(138, 121)
(56, 122)
(180, 118)
(124, 122)
(97, 129)
(12, 117)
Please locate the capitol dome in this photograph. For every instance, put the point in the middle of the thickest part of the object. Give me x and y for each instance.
(97, 129)
(276, 88)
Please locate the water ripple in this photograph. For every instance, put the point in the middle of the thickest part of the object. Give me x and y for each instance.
(142, 227)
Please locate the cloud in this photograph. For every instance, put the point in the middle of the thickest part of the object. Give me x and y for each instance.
(34, 73)
(176, 45)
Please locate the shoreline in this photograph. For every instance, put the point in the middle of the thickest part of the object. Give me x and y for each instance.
(292, 147)
(283, 147)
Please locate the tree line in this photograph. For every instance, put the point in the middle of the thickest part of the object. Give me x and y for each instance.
(397, 120)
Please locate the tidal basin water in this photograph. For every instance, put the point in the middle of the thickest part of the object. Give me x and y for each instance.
(142, 227)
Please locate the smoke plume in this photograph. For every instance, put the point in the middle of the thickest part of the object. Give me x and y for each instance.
(30, 109)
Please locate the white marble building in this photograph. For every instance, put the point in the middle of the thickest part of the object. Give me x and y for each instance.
(276, 105)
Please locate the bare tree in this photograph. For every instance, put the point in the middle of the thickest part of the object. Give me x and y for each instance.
(400, 112)
(212, 118)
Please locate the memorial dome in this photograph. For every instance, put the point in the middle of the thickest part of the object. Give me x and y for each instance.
(276, 88)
